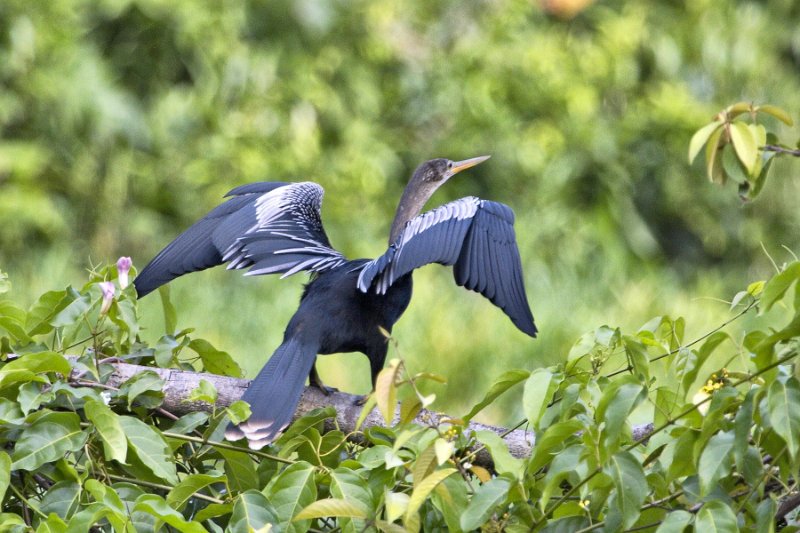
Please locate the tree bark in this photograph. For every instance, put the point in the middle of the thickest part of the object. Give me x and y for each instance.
(178, 385)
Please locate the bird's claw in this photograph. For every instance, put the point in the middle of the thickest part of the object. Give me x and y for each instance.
(326, 390)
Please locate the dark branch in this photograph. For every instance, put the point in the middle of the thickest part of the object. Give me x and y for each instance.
(781, 150)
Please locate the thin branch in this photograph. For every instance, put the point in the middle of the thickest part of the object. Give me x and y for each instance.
(781, 150)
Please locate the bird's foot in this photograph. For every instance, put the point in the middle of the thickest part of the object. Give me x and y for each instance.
(361, 399)
(315, 381)
(326, 390)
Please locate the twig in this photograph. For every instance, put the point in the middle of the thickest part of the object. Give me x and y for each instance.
(781, 150)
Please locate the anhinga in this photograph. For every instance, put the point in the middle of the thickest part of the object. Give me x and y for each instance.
(275, 228)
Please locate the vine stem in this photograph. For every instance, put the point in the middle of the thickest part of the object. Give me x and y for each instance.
(692, 343)
(24, 500)
(226, 446)
(166, 488)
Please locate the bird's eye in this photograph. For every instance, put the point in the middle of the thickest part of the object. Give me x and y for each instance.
(449, 164)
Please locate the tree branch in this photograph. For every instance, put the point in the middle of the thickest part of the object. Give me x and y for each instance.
(178, 385)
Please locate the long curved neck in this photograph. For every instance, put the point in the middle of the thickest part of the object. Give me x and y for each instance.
(411, 203)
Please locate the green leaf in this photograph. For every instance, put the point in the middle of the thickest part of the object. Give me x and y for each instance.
(618, 401)
(700, 138)
(504, 462)
(332, 507)
(239, 411)
(10, 412)
(486, 499)
(450, 497)
(104, 494)
(783, 399)
(715, 461)
(46, 307)
(5, 473)
(539, 390)
(715, 516)
(148, 385)
(72, 313)
(386, 390)
(189, 422)
(765, 516)
(156, 506)
(215, 361)
(630, 490)
(39, 363)
(183, 491)
(555, 438)
(504, 382)
(348, 485)
(170, 315)
(63, 499)
(423, 489)
(743, 423)
(112, 508)
(205, 392)
(443, 449)
(53, 524)
(638, 357)
(744, 143)
(714, 170)
(88, 516)
(106, 424)
(776, 112)
(693, 365)
(240, 470)
(150, 447)
(13, 523)
(253, 512)
(47, 439)
(214, 510)
(395, 505)
(675, 522)
(292, 490)
(12, 319)
(777, 286)
(123, 314)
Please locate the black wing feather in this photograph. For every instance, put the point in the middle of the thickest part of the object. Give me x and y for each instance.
(477, 238)
(273, 225)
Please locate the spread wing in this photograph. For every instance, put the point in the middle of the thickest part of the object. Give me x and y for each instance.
(477, 238)
(268, 227)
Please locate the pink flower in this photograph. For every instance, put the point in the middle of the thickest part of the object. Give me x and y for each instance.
(123, 267)
(108, 296)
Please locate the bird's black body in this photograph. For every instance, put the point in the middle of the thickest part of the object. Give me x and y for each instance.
(349, 305)
(331, 304)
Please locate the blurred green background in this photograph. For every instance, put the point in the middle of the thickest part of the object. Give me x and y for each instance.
(123, 121)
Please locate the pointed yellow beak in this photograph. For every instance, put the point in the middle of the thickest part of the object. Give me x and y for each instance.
(458, 166)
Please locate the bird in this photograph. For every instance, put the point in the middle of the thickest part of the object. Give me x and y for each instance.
(348, 305)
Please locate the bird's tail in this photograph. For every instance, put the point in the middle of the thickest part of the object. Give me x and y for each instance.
(274, 393)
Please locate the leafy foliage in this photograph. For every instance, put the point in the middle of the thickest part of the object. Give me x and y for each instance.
(720, 449)
(753, 146)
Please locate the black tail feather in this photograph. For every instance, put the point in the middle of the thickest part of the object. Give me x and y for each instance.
(274, 393)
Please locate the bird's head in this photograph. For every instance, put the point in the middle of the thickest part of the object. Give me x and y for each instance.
(428, 177)
(438, 171)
